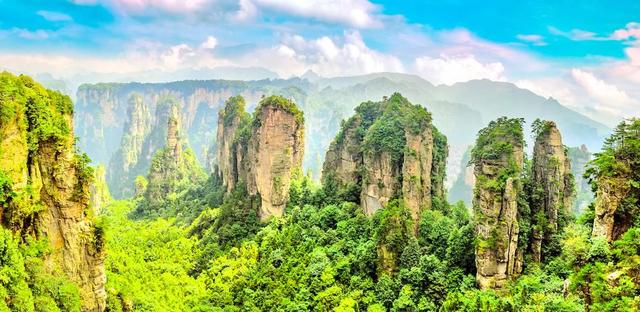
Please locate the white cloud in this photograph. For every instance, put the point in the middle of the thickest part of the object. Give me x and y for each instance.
(293, 55)
(348, 55)
(451, 69)
(631, 31)
(536, 40)
(175, 6)
(609, 96)
(210, 44)
(246, 12)
(54, 16)
(355, 13)
(38, 34)
(577, 34)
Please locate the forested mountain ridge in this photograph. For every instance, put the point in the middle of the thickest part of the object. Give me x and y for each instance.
(459, 111)
(260, 235)
(52, 246)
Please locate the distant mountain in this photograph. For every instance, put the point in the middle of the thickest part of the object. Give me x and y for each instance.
(459, 111)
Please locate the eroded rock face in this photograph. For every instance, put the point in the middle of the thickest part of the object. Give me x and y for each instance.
(262, 154)
(48, 173)
(344, 156)
(275, 152)
(100, 197)
(495, 204)
(172, 168)
(609, 195)
(229, 120)
(380, 183)
(102, 108)
(174, 146)
(579, 157)
(408, 168)
(614, 174)
(552, 183)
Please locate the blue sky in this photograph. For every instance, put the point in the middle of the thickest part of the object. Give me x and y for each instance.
(584, 53)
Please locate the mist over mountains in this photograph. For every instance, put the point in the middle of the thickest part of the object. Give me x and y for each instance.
(105, 123)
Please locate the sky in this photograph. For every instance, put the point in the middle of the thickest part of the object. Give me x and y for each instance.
(584, 53)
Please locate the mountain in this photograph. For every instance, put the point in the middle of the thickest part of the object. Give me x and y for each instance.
(45, 205)
(459, 111)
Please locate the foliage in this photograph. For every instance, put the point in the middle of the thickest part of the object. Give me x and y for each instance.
(498, 139)
(279, 102)
(148, 263)
(25, 284)
(387, 132)
(619, 163)
(234, 107)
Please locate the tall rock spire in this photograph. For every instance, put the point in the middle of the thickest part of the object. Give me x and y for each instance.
(498, 157)
(261, 154)
(552, 186)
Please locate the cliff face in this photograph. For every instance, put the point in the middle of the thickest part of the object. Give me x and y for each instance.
(552, 187)
(275, 152)
(125, 164)
(498, 159)
(388, 150)
(124, 115)
(230, 119)
(173, 168)
(50, 184)
(262, 154)
(614, 175)
(579, 157)
(100, 196)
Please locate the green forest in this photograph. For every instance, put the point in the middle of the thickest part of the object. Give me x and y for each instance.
(376, 233)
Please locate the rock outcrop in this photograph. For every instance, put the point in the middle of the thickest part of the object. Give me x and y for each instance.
(579, 157)
(108, 117)
(230, 119)
(261, 154)
(144, 135)
(611, 192)
(100, 196)
(498, 159)
(173, 168)
(614, 175)
(388, 150)
(50, 184)
(552, 187)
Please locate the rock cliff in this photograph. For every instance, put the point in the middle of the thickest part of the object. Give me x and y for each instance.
(100, 196)
(388, 150)
(173, 169)
(261, 154)
(230, 119)
(124, 165)
(498, 159)
(579, 157)
(50, 182)
(552, 186)
(614, 175)
(112, 115)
